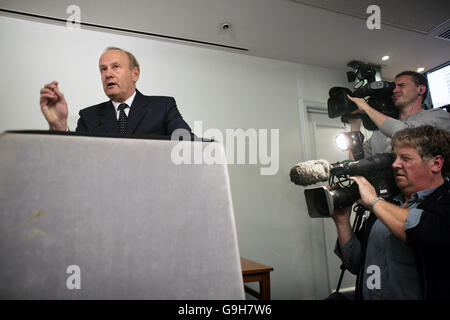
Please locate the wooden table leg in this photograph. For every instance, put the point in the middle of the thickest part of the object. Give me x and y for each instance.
(264, 286)
(256, 272)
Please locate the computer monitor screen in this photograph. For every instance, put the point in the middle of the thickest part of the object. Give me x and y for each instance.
(439, 85)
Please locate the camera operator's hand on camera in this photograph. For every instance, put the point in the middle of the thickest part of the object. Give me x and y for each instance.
(342, 216)
(360, 103)
(392, 216)
(366, 191)
(377, 117)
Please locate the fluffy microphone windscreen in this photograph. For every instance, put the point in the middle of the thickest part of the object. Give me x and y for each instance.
(310, 172)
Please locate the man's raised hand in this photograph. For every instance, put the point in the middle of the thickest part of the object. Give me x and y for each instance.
(54, 106)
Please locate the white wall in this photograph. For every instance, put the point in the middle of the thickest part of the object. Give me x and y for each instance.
(222, 89)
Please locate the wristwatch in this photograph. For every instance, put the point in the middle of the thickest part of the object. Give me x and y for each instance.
(372, 203)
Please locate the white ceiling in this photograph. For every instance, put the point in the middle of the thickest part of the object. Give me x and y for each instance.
(327, 33)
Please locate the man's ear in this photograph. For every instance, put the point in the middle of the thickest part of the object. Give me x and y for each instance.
(436, 164)
(422, 90)
(136, 73)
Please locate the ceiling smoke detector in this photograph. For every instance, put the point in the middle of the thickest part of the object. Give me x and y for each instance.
(225, 26)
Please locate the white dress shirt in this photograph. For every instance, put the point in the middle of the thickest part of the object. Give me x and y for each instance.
(129, 101)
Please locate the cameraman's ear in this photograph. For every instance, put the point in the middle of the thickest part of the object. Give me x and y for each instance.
(422, 90)
(436, 164)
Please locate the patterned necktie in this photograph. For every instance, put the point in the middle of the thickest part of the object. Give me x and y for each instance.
(122, 122)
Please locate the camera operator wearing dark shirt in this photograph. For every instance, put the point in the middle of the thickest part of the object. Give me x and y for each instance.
(422, 216)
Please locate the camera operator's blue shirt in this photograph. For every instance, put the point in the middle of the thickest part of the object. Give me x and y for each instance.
(390, 270)
(414, 214)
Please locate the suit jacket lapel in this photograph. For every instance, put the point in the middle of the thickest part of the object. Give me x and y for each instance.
(137, 112)
(108, 118)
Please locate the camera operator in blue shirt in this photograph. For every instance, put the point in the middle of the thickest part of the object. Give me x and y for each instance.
(421, 215)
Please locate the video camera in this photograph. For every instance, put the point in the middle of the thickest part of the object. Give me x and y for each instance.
(322, 201)
(379, 95)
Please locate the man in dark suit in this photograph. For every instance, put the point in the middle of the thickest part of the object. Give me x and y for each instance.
(136, 113)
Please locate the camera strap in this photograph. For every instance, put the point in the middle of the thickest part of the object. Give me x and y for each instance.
(363, 236)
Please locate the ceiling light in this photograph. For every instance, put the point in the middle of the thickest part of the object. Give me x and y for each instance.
(385, 58)
(420, 69)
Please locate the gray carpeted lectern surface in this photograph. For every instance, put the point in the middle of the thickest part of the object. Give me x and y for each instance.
(104, 218)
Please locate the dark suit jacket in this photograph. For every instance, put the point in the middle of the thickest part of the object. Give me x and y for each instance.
(157, 115)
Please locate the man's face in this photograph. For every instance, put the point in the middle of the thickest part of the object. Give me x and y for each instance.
(406, 92)
(119, 82)
(411, 173)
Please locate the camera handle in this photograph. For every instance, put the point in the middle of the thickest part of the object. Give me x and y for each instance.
(360, 210)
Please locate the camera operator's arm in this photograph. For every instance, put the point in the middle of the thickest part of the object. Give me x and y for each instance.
(355, 125)
(392, 216)
(377, 117)
(348, 247)
(342, 220)
(389, 126)
(433, 117)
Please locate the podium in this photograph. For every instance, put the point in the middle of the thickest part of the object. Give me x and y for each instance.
(109, 218)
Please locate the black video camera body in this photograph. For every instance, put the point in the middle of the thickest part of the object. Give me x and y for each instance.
(380, 98)
(321, 202)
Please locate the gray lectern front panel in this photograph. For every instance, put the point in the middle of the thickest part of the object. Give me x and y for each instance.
(103, 218)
